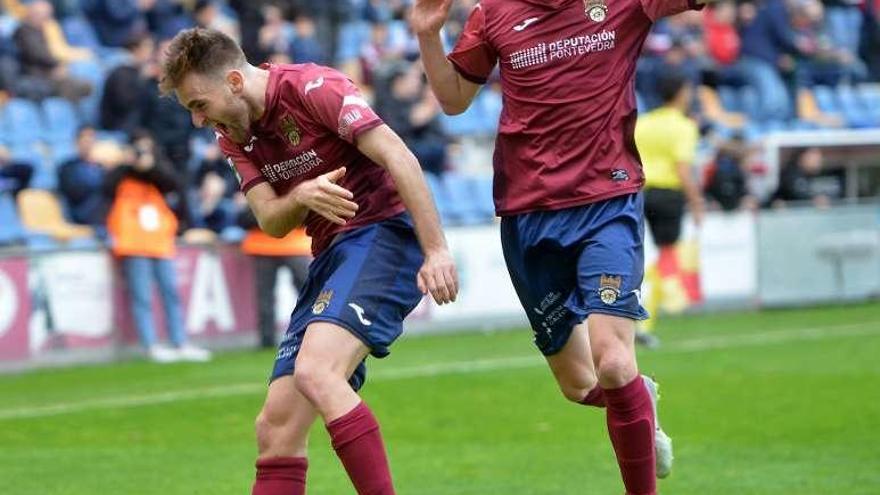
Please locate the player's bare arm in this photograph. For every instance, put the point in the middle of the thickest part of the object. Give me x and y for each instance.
(277, 216)
(438, 274)
(454, 92)
(695, 200)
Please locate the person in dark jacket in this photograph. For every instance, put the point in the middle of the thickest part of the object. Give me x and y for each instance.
(769, 46)
(81, 181)
(125, 90)
(38, 63)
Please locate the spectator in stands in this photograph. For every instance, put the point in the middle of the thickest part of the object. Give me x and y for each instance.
(802, 179)
(458, 15)
(725, 179)
(164, 16)
(353, 33)
(216, 186)
(768, 48)
(117, 21)
(667, 141)
(169, 123)
(143, 230)
(125, 89)
(723, 43)
(47, 75)
(8, 68)
(306, 46)
(827, 64)
(271, 255)
(843, 23)
(15, 175)
(870, 46)
(207, 14)
(250, 21)
(81, 180)
(407, 106)
(276, 33)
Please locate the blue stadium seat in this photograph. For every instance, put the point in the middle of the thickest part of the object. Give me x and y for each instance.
(232, 234)
(61, 121)
(21, 123)
(490, 103)
(480, 119)
(854, 111)
(485, 200)
(441, 198)
(729, 97)
(62, 151)
(750, 102)
(8, 25)
(118, 137)
(869, 94)
(465, 124)
(826, 99)
(80, 32)
(464, 203)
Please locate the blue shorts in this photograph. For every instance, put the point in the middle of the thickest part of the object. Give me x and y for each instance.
(567, 264)
(364, 282)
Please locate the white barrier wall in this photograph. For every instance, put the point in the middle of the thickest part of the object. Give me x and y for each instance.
(59, 306)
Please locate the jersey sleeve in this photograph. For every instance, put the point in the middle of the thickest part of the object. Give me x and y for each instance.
(247, 173)
(334, 102)
(473, 56)
(657, 9)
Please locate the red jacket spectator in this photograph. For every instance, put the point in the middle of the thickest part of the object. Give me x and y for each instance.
(722, 38)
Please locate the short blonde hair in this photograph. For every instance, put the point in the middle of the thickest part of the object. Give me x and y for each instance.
(200, 51)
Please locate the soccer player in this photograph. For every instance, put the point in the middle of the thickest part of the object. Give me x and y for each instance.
(567, 186)
(309, 150)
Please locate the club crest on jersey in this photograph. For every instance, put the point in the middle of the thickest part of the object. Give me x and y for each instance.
(291, 130)
(596, 10)
(609, 288)
(322, 301)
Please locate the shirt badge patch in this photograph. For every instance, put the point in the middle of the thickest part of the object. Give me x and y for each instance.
(619, 175)
(322, 301)
(291, 130)
(596, 10)
(609, 288)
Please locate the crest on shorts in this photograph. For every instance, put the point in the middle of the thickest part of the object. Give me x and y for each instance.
(596, 10)
(609, 288)
(322, 301)
(291, 130)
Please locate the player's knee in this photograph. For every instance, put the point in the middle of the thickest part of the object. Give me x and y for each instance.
(311, 378)
(576, 390)
(616, 370)
(265, 429)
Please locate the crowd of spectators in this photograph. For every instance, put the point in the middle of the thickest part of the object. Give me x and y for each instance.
(756, 66)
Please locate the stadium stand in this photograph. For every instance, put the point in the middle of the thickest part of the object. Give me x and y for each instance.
(370, 36)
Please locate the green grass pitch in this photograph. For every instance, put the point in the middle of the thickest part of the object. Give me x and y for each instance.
(776, 403)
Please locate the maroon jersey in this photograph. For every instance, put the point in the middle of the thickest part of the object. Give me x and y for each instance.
(567, 74)
(313, 116)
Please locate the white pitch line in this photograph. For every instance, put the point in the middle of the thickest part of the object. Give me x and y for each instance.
(440, 369)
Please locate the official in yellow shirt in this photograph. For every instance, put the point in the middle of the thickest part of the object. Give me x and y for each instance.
(667, 142)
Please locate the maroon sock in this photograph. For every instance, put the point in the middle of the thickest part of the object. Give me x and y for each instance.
(281, 476)
(595, 397)
(358, 443)
(631, 428)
